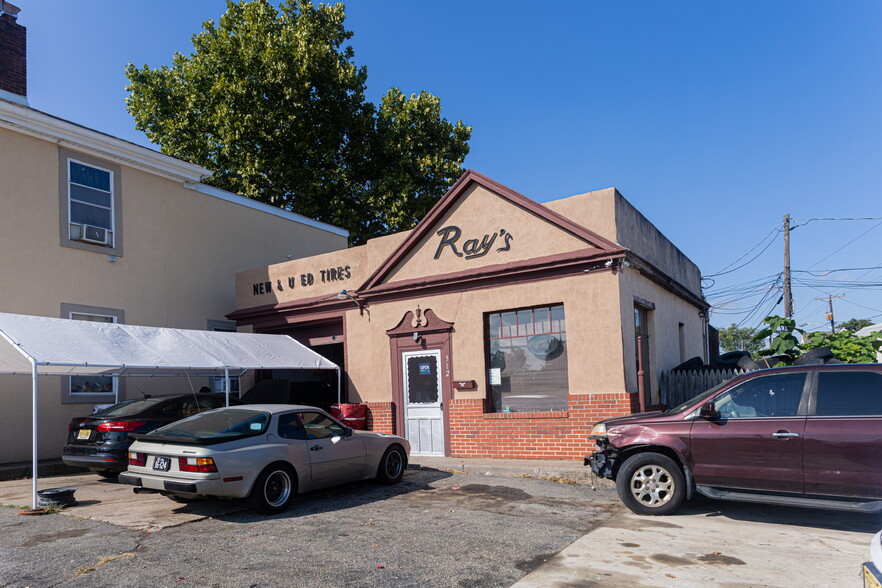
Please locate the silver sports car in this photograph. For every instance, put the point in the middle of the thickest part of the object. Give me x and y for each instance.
(266, 453)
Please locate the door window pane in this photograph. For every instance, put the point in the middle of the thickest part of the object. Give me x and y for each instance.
(422, 379)
(849, 394)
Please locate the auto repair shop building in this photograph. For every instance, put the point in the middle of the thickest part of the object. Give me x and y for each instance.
(497, 327)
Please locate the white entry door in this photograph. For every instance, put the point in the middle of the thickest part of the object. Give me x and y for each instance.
(423, 421)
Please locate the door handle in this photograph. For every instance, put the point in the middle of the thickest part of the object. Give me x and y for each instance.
(316, 448)
(784, 434)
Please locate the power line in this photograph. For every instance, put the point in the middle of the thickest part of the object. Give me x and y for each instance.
(846, 245)
(723, 271)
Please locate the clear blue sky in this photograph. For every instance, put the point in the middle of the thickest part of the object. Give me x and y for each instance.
(713, 118)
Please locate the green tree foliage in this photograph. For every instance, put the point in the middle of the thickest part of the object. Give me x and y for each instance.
(733, 338)
(845, 345)
(854, 325)
(272, 101)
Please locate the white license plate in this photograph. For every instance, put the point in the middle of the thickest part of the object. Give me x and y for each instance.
(84, 434)
(161, 463)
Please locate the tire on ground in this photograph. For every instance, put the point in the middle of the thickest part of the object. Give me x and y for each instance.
(392, 465)
(650, 483)
(274, 489)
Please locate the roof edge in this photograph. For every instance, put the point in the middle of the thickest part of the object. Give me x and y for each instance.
(267, 208)
(27, 120)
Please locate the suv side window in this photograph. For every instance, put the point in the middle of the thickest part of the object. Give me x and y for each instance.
(767, 396)
(849, 394)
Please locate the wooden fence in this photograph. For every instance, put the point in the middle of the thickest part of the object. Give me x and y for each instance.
(677, 386)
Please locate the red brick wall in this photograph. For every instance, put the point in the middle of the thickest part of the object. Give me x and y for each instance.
(525, 435)
(381, 417)
(13, 56)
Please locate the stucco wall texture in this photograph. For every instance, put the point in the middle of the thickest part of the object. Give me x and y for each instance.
(598, 299)
(181, 251)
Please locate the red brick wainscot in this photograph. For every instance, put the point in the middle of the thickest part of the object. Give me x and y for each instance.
(532, 435)
(381, 417)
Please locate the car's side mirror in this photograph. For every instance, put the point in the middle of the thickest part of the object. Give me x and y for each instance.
(347, 432)
(708, 411)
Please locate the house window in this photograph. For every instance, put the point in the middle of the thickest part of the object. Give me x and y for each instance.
(527, 359)
(91, 385)
(91, 388)
(90, 204)
(217, 383)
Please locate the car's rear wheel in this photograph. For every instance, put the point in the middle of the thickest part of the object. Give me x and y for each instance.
(274, 489)
(392, 465)
(651, 484)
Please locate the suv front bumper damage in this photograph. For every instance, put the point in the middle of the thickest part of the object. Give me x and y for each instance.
(601, 463)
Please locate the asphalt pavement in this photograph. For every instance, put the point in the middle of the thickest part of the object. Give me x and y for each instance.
(452, 522)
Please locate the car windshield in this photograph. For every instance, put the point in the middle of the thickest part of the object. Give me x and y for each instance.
(129, 407)
(696, 399)
(216, 424)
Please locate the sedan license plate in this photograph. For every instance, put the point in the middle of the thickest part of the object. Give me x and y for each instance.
(161, 463)
(84, 434)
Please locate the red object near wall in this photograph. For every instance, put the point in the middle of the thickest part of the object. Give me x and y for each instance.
(351, 415)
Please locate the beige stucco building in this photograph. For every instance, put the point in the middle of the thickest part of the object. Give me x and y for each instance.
(498, 326)
(97, 228)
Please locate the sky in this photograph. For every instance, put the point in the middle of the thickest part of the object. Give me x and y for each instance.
(715, 119)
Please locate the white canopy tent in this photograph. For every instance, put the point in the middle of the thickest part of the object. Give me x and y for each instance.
(42, 346)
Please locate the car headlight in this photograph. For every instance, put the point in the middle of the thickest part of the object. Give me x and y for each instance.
(598, 431)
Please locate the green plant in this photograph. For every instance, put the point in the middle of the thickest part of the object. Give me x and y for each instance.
(784, 340)
(846, 346)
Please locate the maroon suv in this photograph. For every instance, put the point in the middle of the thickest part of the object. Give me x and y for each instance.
(802, 436)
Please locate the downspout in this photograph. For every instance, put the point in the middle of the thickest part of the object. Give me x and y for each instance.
(227, 385)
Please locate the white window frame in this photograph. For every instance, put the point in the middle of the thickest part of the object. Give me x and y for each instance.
(68, 311)
(70, 182)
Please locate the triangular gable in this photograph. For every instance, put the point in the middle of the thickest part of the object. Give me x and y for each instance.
(434, 235)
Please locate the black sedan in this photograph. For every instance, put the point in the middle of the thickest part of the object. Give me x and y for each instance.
(101, 441)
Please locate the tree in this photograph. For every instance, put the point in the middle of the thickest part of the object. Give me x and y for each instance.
(274, 104)
(854, 325)
(733, 338)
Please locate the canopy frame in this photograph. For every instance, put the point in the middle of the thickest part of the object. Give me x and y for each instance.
(217, 348)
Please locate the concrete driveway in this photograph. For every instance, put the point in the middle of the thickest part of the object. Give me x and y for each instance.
(710, 543)
(111, 502)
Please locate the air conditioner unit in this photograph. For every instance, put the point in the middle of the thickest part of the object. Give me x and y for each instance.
(97, 235)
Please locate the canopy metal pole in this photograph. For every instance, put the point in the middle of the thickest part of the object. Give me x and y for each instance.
(115, 384)
(339, 397)
(34, 429)
(227, 384)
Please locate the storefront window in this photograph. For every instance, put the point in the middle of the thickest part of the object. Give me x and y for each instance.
(528, 360)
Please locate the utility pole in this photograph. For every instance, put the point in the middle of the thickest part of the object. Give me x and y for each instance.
(788, 298)
(829, 300)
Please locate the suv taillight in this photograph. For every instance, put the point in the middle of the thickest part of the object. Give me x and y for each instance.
(201, 465)
(126, 426)
(137, 459)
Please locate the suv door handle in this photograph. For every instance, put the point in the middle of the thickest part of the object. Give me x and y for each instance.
(784, 434)
(316, 448)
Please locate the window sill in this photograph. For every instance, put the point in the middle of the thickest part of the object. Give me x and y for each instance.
(527, 415)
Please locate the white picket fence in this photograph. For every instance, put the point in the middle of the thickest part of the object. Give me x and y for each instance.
(677, 386)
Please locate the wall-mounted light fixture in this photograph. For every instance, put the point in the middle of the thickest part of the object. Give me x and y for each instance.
(344, 295)
(416, 337)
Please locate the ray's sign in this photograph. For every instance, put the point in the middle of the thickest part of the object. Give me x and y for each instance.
(471, 248)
